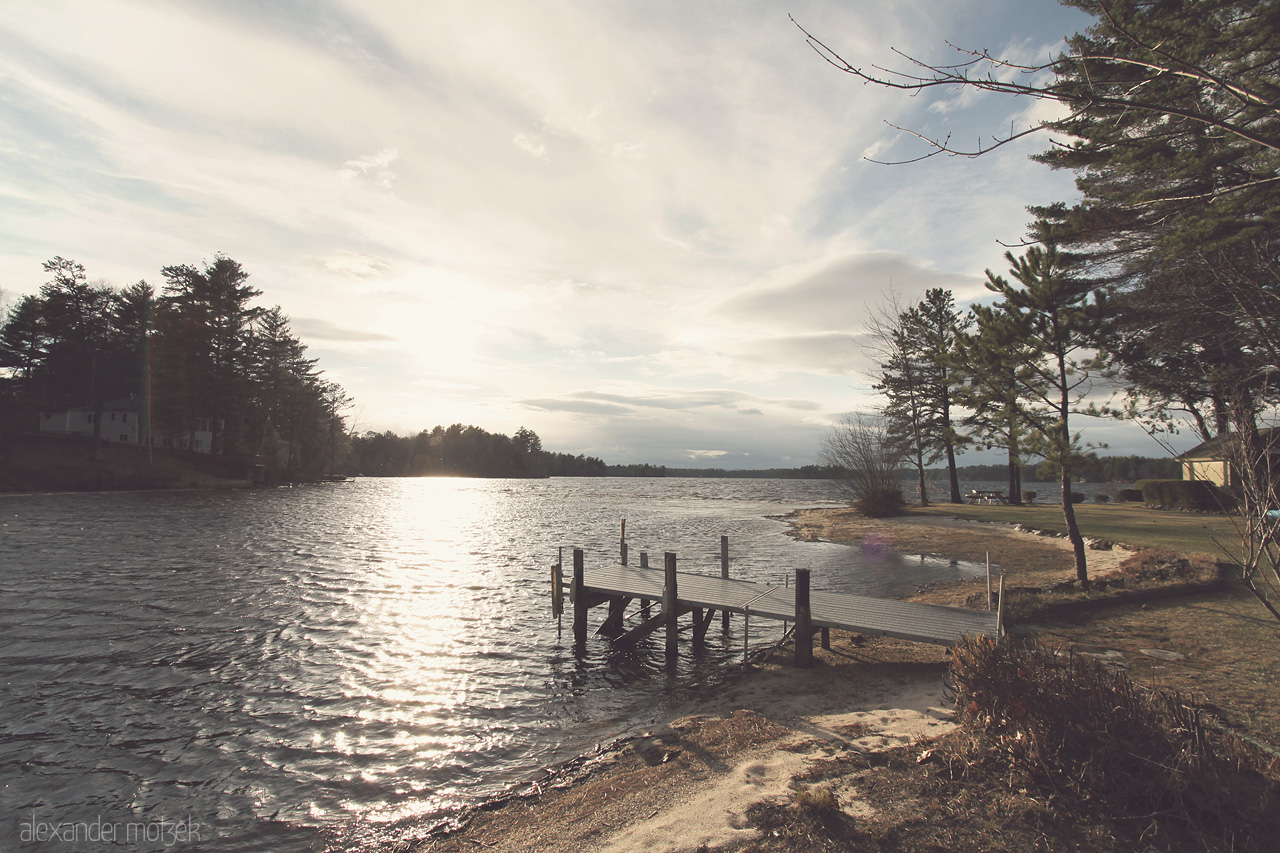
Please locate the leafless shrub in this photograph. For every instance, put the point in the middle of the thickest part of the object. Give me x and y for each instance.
(871, 464)
(1073, 728)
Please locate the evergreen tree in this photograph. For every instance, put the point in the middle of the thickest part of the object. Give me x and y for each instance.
(1056, 317)
(76, 321)
(940, 328)
(1180, 214)
(999, 367)
(919, 376)
(902, 381)
(203, 324)
(24, 343)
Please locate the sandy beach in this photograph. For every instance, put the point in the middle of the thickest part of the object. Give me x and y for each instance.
(688, 786)
(691, 785)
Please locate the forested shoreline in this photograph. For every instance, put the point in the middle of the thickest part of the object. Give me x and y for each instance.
(198, 358)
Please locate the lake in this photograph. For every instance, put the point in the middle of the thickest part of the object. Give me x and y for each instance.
(277, 668)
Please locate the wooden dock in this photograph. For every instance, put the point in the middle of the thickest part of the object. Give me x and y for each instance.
(681, 593)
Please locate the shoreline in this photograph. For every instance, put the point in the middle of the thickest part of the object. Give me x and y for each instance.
(689, 785)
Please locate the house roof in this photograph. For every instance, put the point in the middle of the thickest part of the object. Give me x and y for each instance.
(1213, 448)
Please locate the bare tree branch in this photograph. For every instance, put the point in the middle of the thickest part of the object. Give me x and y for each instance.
(960, 76)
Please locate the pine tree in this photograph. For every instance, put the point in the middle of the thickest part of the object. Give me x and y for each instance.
(998, 365)
(1056, 317)
(940, 327)
(1180, 215)
(903, 383)
(203, 322)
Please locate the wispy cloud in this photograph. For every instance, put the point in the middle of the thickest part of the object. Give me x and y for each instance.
(478, 216)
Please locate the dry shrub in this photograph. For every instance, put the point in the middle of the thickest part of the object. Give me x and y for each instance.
(880, 503)
(1162, 564)
(812, 823)
(1070, 727)
(817, 800)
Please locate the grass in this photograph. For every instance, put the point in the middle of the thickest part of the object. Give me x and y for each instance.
(1134, 525)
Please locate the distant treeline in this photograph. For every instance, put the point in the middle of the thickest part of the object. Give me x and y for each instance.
(469, 451)
(806, 472)
(1088, 469)
(465, 451)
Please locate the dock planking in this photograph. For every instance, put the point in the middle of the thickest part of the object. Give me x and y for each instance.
(701, 595)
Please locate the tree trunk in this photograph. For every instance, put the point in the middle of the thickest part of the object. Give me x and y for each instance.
(948, 439)
(951, 473)
(1073, 530)
(1015, 479)
(1064, 465)
(924, 487)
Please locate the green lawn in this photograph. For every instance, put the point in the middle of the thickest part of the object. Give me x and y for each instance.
(1128, 524)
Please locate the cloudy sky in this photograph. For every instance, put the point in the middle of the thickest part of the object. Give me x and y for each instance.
(646, 230)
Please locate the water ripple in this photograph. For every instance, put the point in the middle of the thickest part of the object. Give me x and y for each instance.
(276, 663)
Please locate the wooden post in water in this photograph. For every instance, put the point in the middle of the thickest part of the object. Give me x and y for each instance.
(557, 592)
(724, 573)
(670, 605)
(644, 603)
(579, 599)
(804, 628)
(623, 543)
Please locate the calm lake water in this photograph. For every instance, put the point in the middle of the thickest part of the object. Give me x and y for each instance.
(273, 669)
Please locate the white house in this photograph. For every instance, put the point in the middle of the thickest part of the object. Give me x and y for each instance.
(120, 425)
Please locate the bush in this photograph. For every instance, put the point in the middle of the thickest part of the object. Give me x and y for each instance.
(1029, 497)
(1131, 495)
(1077, 730)
(869, 463)
(1076, 497)
(1186, 495)
(1101, 497)
(880, 503)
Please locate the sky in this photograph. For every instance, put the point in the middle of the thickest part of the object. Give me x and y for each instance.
(648, 231)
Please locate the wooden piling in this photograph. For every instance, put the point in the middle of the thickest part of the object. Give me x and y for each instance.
(670, 603)
(804, 626)
(724, 573)
(644, 602)
(579, 598)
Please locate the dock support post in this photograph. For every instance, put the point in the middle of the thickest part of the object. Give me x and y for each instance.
(670, 605)
(622, 545)
(724, 573)
(804, 628)
(579, 602)
(644, 602)
(826, 638)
